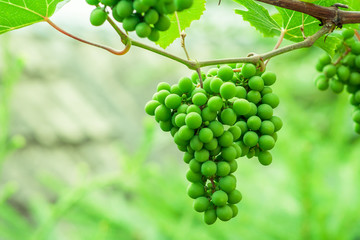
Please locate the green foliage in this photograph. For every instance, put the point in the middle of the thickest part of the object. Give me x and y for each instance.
(17, 14)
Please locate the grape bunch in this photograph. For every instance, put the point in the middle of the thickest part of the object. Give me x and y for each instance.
(145, 17)
(343, 72)
(230, 117)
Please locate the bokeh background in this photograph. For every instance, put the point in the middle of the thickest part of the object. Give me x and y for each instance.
(95, 167)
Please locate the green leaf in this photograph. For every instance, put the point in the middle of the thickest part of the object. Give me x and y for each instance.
(16, 14)
(186, 17)
(259, 18)
(354, 5)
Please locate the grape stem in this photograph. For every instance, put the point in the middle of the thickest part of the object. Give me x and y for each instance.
(357, 35)
(182, 36)
(280, 40)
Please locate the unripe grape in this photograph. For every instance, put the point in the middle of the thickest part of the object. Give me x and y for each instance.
(269, 78)
(194, 166)
(224, 213)
(149, 2)
(206, 85)
(336, 86)
(253, 110)
(215, 84)
(266, 142)
(163, 86)
(163, 23)
(329, 70)
(162, 113)
(109, 2)
(234, 209)
(140, 7)
(212, 145)
(98, 16)
(208, 168)
(212, 72)
(234, 197)
(265, 111)
(254, 123)
(180, 119)
(151, 106)
(124, 9)
(349, 60)
(205, 135)
(248, 70)
(228, 153)
(357, 128)
(193, 177)
(256, 83)
(228, 90)
(227, 184)
(354, 78)
(172, 101)
(202, 155)
(210, 216)
(116, 16)
(193, 120)
(223, 169)
(219, 198)
(226, 139)
(199, 99)
(228, 116)
(185, 133)
(208, 115)
(351, 88)
(266, 90)
(325, 59)
(193, 108)
(143, 29)
(277, 123)
(250, 139)
(215, 103)
(154, 35)
(348, 33)
(233, 166)
(217, 128)
(195, 143)
(201, 204)
(271, 99)
(225, 73)
(267, 128)
(241, 92)
(185, 85)
(253, 96)
(356, 116)
(195, 190)
(93, 2)
(166, 126)
(355, 48)
(183, 4)
(235, 131)
(322, 83)
(265, 158)
(161, 95)
(241, 107)
(179, 140)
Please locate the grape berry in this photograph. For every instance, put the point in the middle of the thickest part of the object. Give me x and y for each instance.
(230, 117)
(145, 17)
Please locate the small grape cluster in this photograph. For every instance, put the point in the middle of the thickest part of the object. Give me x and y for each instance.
(145, 17)
(343, 72)
(229, 116)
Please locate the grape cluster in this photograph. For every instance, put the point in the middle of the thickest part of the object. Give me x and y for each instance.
(145, 17)
(230, 117)
(343, 72)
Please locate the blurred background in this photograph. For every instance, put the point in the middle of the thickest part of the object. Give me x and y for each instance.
(94, 166)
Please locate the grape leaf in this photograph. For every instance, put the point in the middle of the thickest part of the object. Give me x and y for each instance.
(259, 18)
(186, 17)
(16, 14)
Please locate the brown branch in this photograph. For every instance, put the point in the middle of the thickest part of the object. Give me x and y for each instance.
(324, 14)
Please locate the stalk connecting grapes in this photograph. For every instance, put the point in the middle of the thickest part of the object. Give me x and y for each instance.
(145, 17)
(343, 72)
(230, 117)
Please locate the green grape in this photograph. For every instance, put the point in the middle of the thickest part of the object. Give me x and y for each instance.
(149, 2)
(195, 166)
(163, 23)
(227, 184)
(176, 90)
(215, 103)
(265, 111)
(199, 99)
(215, 84)
(253, 110)
(266, 90)
(185, 132)
(186, 85)
(210, 216)
(195, 143)
(277, 123)
(219, 198)
(348, 33)
(143, 29)
(172, 101)
(351, 88)
(124, 9)
(322, 83)
(183, 4)
(154, 35)
(161, 96)
(116, 16)
(238, 150)
(151, 106)
(193, 108)
(224, 213)
(228, 116)
(228, 153)
(234, 197)
(216, 151)
(235, 131)
(163, 86)
(269, 78)
(212, 145)
(195, 190)
(109, 2)
(354, 78)
(205, 135)
(180, 119)
(225, 73)
(266, 142)
(267, 127)
(248, 70)
(140, 7)
(217, 128)
(202, 155)
(212, 72)
(355, 48)
(336, 86)
(234, 209)
(241, 92)
(325, 59)
(253, 96)
(244, 149)
(357, 128)
(241, 107)
(166, 126)
(208, 115)
(179, 140)
(329, 70)
(162, 113)
(250, 139)
(98, 16)
(187, 157)
(173, 131)
(93, 2)
(228, 90)
(349, 60)
(254, 123)
(226, 139)
(265, 158)
(271, 99)
(206, 85)
(233, 166)
(201, 204)
(151, 16)
(208, 168)
(223, 169)
(356, 116)
(198, 90)
(170, 8)
(193, 120)
(256, 83)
